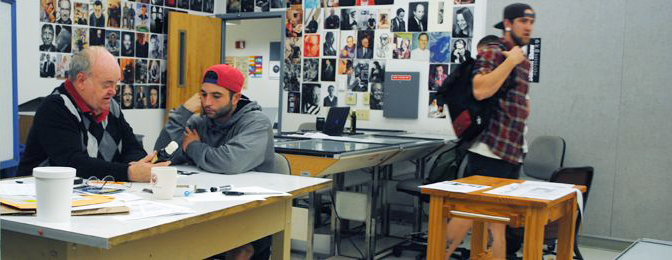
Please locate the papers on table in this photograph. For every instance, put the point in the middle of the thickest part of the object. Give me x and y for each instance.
(454, 186)
(16, 189)
(141, 209)
(534, 190)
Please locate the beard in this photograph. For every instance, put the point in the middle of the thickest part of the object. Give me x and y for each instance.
(223, 112)
(517, 40)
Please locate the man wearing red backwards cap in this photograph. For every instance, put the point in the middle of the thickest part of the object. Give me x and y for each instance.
(219, 130)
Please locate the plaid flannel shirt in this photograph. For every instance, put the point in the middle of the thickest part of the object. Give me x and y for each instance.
(504, 133)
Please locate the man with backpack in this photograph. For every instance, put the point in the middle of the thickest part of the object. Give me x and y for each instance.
(500, 76)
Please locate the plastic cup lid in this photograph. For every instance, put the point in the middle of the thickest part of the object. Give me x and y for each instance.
(54, 172)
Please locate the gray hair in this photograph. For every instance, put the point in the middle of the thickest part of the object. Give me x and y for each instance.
(81, 62)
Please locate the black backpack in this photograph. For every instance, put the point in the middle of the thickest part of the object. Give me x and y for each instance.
(468, 115)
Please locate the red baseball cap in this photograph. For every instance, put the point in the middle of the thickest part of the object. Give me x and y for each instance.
(225, 76)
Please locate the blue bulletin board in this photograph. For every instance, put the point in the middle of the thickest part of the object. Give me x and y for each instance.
(9, 129)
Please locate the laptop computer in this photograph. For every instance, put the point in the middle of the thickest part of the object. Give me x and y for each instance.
(336, 121)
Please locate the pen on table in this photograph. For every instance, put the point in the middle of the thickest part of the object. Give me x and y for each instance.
(238, 193)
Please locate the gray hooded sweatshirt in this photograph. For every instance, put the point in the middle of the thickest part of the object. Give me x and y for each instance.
(243, 143)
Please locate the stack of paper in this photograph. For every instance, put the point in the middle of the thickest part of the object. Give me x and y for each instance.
(454, 186)
(534, 190)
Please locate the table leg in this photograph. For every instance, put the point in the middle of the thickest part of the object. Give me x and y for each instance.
(311, 225)
(282, 241)
(533, 243)
(335, 222)
(479, 239)
(566, 232)
(384, 205)
(436, 237)
(371, 216)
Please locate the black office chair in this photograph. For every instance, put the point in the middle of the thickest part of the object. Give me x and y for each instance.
(445, 167)
(570, 175)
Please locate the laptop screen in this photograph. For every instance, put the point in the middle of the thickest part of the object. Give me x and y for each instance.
(336, 121)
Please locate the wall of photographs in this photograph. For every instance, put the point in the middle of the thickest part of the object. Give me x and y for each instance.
(133, 31)
(337, 51)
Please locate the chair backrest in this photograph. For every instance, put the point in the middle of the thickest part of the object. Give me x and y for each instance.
(545, 155)
(307, 126)
(281, 164)
(577, 176)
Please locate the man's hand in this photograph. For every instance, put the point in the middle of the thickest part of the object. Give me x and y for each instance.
(516, 55)
(140, 171)
(244, 252)
(193, 104)
(189, 136)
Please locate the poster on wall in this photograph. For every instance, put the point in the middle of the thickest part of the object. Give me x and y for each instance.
(534, 55)
(274, 71)
(256, 68)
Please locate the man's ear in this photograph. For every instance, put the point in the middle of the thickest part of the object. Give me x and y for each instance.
(507, 25)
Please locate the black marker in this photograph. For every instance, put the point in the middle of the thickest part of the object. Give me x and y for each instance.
(238, 193)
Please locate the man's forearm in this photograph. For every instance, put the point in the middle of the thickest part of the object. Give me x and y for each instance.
(486, 85)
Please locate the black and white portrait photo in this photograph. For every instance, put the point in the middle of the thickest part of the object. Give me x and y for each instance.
(196, 5)
(328, 70)
(365, 44)
(329, 45)
(332, 19)
(376, 97)
(377, 74)
(463, 22)
(460, 50)
(366, 19)
(294, 102)
(155, 46)
(126, 94)
(163, 67)
(233, 6)
(348, 19)
(97, 14)
(209, 6)
(417, 20)
(262, 6)
(399, 20)
(63, 12)
(310, 99)
(112, 42)
(154, 71)
(383, 47)
(247, 6)
(310, 70)
(127, 44)
(359, 80)
(47, 36)
(330, 98)
(276, 4)
(156, 23)
(293, 50)
(141, 71)
(96, 36)
(291, 76)
(47, 65)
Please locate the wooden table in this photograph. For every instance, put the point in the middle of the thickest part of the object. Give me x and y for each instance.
(533, 214)
(215, 227)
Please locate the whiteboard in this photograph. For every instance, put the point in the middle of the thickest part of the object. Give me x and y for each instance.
(8, 124)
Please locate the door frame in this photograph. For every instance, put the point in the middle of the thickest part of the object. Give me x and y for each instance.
(265, 15)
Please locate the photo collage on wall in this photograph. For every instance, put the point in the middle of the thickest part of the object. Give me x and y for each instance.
(336, 50)
(134, 31)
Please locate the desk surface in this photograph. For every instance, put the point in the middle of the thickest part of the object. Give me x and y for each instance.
(106, 231)
(480, 195)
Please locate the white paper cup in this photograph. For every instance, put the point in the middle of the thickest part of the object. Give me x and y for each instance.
(163, 182)
(53, 187)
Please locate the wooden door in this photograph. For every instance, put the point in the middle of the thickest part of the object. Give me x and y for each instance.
(194, 44)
